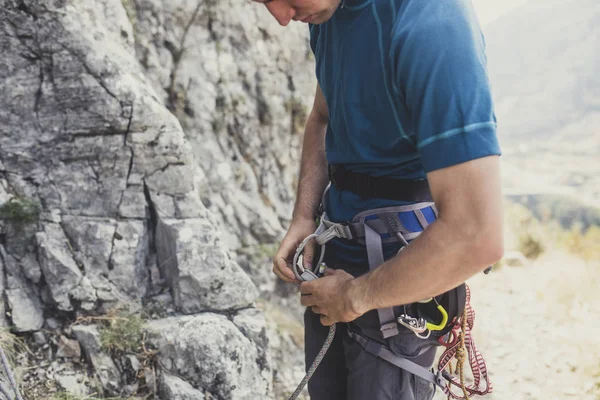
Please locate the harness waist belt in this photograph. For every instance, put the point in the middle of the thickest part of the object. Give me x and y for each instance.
(383, 187)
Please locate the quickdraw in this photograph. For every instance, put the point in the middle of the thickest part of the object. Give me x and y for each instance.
(458, 341)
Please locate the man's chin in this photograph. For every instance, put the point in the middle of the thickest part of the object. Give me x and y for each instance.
(321, 18)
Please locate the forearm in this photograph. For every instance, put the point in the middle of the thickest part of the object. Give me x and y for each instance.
(442, 258)
(313, 169)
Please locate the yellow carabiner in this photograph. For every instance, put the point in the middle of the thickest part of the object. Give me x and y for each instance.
(442, 325)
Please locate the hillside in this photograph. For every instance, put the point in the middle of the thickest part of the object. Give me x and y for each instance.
(543, 63)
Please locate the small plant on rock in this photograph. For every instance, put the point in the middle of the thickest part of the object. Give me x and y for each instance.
(122, 334)
(20, 210)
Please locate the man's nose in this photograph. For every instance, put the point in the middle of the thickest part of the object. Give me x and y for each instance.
(282, 12)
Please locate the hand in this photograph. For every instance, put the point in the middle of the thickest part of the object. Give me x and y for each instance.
(332, 296)
(282, 261)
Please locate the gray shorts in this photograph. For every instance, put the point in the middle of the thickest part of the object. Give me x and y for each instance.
(347, 372)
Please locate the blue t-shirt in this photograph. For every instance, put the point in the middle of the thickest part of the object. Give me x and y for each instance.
(407, 90)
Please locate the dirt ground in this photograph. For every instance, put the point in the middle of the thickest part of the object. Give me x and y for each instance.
(538, 328)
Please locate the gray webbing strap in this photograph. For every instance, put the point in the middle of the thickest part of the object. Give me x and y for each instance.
(379, 350)
(328, 230)
(421, 217)
(387, 222)
(387, 317)
(359, 230)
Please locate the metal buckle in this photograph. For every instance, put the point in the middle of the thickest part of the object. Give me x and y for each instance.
(440, 379)
(418, 326)
(342, 230)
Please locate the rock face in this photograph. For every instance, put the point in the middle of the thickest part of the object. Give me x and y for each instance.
(201, 274)
(105, 368)
(175, 388)
(141, 144)
(211, 352)
(239, 85)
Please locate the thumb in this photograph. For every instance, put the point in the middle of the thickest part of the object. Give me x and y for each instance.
(330, 271)
(308, 255)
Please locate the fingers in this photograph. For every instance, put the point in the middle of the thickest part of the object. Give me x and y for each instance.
(285, 254)
(308, 255)
(281, 266)
(306, 288)
(308, 301)
(282, 269)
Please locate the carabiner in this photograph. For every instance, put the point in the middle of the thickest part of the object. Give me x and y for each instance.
(301, 273)
(418, 326)
(441, 325)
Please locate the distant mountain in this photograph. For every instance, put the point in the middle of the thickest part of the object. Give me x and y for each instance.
(544, 61)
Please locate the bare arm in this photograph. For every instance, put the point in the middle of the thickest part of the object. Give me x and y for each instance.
(467, 237)
(313, 167)
(311, 184)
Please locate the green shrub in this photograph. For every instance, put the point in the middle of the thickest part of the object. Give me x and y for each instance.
(21, 210)
(530, 246)
(122, 334)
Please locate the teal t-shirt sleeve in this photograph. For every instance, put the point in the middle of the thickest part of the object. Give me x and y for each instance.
(440, 72)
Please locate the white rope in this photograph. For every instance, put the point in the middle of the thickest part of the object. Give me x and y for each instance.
(315, 363)
(11, 380)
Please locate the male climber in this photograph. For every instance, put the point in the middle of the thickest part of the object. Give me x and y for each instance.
(403, 95)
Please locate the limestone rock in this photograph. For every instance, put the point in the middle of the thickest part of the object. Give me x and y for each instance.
(212, 354)
(61, 273)
(128, 259)
(71, 384)
(251, 322)
(68, 348)
(26, 310)
(241, 95)
(155, 135)
(201, 273)
(105, 368)
(91, 239)
(174, 388)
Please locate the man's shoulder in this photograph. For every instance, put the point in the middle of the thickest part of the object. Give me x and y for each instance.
(436, 25)
(435, 9)
(434, 15)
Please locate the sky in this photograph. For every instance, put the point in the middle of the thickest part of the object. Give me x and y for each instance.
(489, 10)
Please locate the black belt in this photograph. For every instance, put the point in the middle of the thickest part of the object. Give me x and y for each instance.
(383, 187)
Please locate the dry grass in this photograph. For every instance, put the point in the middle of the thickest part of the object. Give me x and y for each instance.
(533, 237)
(12, 345)
(69, 396)
(584, 244)
(122, 334)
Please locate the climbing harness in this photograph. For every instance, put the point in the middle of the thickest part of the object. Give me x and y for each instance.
(455, 316)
